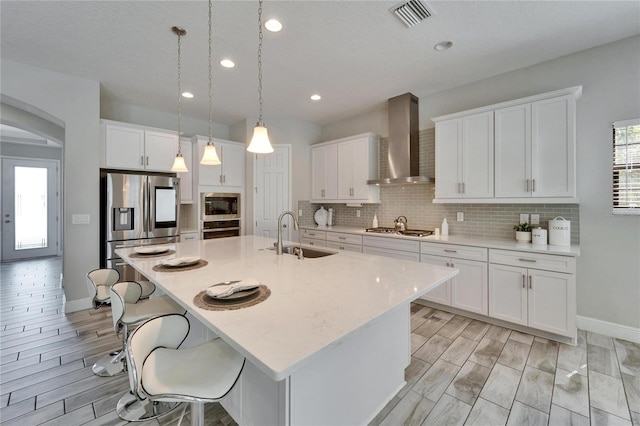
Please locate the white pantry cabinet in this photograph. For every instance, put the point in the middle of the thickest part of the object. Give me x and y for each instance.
(131, 147)
(324, 169)
(340, 173)
(464, 148)
(228, 174)
(535, 149)
(536, 290)
(469, 289)
(186, 179)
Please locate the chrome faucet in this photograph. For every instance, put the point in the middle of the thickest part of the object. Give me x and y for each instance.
(295, 227)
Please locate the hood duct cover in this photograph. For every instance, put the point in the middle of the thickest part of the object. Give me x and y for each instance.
(404, 144)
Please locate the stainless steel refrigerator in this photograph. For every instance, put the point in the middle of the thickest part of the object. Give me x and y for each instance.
(136, 209)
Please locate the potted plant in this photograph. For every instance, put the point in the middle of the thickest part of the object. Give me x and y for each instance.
(523, 232)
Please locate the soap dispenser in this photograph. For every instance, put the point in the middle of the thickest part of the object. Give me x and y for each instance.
(375, 220)
(445, 227)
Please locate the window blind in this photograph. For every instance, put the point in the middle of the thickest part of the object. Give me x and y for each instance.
(626, 167)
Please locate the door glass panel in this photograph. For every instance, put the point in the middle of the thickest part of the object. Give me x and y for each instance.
(30, 208)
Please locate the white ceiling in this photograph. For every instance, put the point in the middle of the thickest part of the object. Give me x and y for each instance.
(356, 54)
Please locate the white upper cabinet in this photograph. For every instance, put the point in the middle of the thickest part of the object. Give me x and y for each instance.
(228, 174)
(186, 179)
(131, 147)
(465, 146)
(535, 149)
(324, 166)
(341, 168)
(518, 151)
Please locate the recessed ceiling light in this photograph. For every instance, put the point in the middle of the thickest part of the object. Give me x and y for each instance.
(443, 45)
(187, 95)
(316, 97)
(273, 25)
(227, 63)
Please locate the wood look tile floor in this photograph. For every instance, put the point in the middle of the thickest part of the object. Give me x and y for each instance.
(463, 371)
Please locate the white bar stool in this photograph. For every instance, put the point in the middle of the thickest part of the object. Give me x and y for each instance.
(127, 312)
(101, 280)
(160, 371)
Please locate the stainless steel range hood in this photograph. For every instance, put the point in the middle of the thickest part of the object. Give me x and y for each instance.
(403, 143)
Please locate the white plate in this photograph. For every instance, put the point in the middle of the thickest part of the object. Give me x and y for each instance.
(238, 294)
(320, 216)
(179, 262)
(151, 250)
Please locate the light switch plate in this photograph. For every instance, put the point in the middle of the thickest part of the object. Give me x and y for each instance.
(524, 217)
(460, 216)
(535, 219)
(80, 219)
(300, 213)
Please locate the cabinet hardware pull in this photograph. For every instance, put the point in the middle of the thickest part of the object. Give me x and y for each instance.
(450, 251)
(524, 285)
(147, 160)
(342, 238)
(530, 279)
(533, 185)
(312, 234)
(142, 160)
(459, 188)
(341, 247)
(524, 259)
(463, 188)
(528, 186)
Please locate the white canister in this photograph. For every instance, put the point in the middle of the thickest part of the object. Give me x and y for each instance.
(539, 236)
(560, 232)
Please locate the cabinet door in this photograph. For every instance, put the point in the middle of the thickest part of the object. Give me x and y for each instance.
(209, 175)
(508, 293)
(513, 151)
(360, 169)
(318, 172)
(160, 150)
(442, 293)
(469, 290)
(552, 302)
(124, 147)
(448, 146)
(553, 147)
(345, 170)
(232, 164)
(186, 179)
(477, 156)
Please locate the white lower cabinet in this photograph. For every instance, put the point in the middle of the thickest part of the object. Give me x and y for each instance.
(391, 247)
(537, 298)
(189, 236)
(344, 241)
(313, 242)
(468, 290)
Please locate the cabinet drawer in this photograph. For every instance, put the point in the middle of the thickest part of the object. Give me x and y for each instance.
(396, 254)
(547, 262)
(341, 237)
(344, 246)
(392, 244)
(312, 233)
(313, 242)
(455, 251)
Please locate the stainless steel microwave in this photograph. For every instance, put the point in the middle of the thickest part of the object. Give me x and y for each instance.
(216, 205)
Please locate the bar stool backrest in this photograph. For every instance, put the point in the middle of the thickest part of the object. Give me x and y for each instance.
(122, 293)
(100, 280)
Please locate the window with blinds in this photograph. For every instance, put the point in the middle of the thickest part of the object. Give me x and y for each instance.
(626, 167)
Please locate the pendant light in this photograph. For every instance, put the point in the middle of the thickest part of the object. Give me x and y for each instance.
(179, 165)
(210, 156)
(260, 141)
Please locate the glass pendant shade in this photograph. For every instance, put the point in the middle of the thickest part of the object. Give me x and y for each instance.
(210, 156)
(179, 166)
(260, 141)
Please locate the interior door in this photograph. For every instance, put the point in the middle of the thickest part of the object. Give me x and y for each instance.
(271, 192)
(30, 208)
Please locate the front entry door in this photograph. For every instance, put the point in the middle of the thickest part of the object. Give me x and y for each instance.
(271, 192)
(30, 208)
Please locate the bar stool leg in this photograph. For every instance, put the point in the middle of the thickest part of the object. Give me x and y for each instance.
(197, 414)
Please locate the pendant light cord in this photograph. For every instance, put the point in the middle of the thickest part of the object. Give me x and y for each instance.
(210, 78)
(260, 61)
(179, 32)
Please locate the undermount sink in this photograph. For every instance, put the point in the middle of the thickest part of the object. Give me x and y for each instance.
(307, 252)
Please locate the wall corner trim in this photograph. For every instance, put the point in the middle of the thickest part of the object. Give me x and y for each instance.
(625, 332)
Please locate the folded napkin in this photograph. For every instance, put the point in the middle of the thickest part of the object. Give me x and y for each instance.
(225, 290)
(182, 261)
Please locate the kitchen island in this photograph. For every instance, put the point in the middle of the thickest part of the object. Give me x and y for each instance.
(330, 344)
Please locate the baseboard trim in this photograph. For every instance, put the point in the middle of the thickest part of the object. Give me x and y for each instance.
(631, 334)
(77, 305)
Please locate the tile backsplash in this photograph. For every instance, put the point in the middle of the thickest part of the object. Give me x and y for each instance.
(415, 202)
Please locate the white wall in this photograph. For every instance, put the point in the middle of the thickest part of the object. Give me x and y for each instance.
(76, 103)
(608, 276)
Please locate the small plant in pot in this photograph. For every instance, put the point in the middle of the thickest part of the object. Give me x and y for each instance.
(523, 232)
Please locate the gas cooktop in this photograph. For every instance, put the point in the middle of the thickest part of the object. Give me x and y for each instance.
(406, 232)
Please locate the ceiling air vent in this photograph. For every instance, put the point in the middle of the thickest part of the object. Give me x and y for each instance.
(412, 12)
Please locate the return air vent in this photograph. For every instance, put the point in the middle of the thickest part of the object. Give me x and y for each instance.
(412, 12)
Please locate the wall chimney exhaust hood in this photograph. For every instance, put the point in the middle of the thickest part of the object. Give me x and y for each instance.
(403, 143)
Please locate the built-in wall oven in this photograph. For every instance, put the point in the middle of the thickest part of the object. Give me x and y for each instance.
(220, 215)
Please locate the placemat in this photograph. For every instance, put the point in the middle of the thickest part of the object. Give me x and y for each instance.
(161, 268)
(201, 300)
(151, 256)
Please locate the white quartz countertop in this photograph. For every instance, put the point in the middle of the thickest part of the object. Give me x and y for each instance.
(314, 303)
(573, 250)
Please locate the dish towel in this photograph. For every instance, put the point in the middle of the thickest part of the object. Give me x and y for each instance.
(225, 290)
